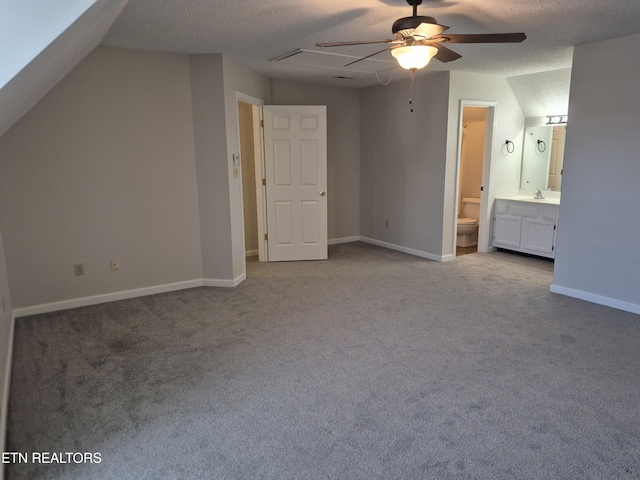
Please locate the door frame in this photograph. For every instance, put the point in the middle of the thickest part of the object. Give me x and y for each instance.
(258, 154)
(484, 229)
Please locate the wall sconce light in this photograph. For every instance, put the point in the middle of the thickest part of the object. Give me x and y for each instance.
(556, 120)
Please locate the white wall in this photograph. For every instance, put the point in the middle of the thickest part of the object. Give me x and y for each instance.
(597, 255)
(103, 166)
(343, 149)
(509, 125)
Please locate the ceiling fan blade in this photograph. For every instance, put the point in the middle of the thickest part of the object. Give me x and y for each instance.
(368, 56)
(444, 54)
(344, 44)
(428, 30)
(482, 38)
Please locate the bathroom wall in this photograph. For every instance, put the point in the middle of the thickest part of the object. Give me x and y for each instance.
(473, 136)
(247, 161)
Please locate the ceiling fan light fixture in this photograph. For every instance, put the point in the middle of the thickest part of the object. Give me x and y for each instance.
(414, 56)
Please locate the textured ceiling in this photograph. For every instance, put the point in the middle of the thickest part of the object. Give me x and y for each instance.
(254, 32)
(544, 93)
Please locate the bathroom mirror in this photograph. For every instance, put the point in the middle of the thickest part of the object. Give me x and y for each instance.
(542, 157)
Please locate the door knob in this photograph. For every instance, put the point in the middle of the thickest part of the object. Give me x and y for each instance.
(323, 193)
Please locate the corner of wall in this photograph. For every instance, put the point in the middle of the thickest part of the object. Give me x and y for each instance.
(5, 381)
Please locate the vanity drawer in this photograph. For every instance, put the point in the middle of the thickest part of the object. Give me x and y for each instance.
(550, 214)
(523, 210)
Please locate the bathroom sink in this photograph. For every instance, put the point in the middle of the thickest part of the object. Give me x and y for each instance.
(531, 199)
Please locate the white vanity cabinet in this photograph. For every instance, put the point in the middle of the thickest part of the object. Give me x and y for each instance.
(525, 226)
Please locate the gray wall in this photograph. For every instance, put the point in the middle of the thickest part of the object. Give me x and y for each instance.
(597, 254)
(5, 345)
(103, 166)
(343, 148)
(207, 90)
(238, 79)
(402, 165)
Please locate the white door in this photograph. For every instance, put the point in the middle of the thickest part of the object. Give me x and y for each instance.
(295, 142)
(557, 157)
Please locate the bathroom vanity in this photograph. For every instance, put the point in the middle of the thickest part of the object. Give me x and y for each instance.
(526, 225)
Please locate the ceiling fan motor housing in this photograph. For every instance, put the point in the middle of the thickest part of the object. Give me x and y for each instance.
(404, 26)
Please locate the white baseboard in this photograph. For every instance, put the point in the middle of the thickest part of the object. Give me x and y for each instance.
(206, 282)
(126, 294)
(251, 253)
(216, 282)
(335, 241)
(410, 251)
(107, 297)
(595, 298)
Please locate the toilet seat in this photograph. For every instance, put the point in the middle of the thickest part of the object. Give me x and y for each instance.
(467, 221)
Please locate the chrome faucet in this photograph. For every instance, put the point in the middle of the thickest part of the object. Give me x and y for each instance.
(538, 195)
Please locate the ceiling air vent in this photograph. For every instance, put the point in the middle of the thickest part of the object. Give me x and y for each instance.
(333, 61)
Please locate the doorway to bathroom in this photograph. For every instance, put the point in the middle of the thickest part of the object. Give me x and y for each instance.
(470, 185)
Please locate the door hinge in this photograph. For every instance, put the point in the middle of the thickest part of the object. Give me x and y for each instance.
(264, 182)
(262, 123)
(266, 237)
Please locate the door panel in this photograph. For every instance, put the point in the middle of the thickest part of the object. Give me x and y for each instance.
(296, 177)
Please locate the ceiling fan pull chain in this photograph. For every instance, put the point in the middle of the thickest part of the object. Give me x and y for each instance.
(411, 89)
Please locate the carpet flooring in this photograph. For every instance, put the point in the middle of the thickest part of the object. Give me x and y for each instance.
(370, 365)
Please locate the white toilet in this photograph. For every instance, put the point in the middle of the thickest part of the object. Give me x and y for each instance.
(467, 230)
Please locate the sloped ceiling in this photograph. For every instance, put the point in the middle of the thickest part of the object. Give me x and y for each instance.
(544, 93)
(25, 89)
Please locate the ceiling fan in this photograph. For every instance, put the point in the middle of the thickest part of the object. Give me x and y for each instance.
(418, 39)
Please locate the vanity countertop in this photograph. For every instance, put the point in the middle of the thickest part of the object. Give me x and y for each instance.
(530, 199)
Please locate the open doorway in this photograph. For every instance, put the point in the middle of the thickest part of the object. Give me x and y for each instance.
(474, 166)
(247, 154)
(283, 185)
(474, 123)
(251, 169)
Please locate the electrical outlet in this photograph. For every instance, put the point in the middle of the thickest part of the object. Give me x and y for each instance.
(115, 264)
(79, 267)
(386, 224)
